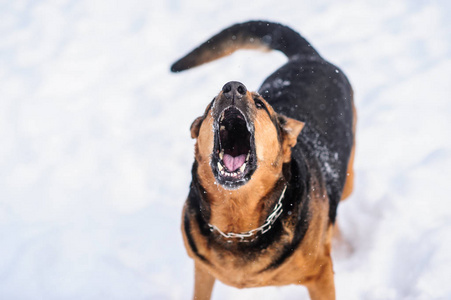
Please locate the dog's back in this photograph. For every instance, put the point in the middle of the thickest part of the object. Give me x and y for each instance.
(306, 88)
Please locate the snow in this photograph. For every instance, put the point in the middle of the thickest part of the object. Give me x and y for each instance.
(95, 152)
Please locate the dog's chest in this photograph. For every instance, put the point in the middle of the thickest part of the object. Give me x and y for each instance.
(243, 273)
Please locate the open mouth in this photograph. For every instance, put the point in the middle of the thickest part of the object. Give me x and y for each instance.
(234, 151)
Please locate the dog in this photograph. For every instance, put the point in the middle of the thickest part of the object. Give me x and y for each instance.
(270, 167)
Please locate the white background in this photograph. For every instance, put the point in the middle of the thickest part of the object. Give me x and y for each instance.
(95, 152)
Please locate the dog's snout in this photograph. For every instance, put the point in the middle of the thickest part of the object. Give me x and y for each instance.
(234, 88)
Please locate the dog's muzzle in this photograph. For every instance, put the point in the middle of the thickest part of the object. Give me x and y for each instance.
(233, 159)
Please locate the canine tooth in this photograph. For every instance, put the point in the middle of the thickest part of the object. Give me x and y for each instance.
(221, 154)
(220, 167)
(247, 157)
(242, 168)
(222, 127)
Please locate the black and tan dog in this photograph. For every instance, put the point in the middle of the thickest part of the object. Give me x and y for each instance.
(263, 198)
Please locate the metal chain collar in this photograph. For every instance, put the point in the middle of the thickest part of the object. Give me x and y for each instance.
(264, 228)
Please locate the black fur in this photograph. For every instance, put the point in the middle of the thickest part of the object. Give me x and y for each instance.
(189, 237)
(316, 92)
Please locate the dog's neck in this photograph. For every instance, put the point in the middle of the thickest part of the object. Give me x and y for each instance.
(243, 209)
(251, 235)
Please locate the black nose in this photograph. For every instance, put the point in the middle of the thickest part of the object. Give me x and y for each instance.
(234, 88)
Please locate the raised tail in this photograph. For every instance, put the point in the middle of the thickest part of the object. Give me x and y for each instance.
(260, 35)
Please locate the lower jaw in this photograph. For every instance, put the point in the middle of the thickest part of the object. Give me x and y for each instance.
(231, 182)
(233, 185)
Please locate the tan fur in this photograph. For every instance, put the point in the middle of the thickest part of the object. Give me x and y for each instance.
(203, 283)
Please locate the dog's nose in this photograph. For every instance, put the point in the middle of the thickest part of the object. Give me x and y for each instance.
(234, 88)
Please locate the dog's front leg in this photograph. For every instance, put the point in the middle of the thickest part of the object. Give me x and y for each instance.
(323, 286)
(203, 284)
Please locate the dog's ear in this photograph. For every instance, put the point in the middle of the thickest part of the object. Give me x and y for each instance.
(291, 129)
(195, 127)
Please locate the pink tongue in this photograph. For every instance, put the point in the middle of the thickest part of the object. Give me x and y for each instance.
(233, 163)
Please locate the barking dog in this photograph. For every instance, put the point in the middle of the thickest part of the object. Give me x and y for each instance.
(270, 167)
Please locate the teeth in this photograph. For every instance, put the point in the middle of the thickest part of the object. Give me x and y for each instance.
(236, 174)
(221, 154)
(222, 117)
(247, 157)
(222, 128)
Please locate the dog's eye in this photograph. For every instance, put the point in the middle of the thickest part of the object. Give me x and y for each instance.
(259, 103)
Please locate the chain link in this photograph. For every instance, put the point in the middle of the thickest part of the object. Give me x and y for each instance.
(264, 228)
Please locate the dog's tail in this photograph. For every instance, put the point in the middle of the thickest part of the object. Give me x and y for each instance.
(259, 35)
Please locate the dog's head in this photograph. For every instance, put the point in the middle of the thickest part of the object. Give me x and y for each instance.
(241, 139)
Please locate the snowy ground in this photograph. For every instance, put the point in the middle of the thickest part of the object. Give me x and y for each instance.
(95, 150)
